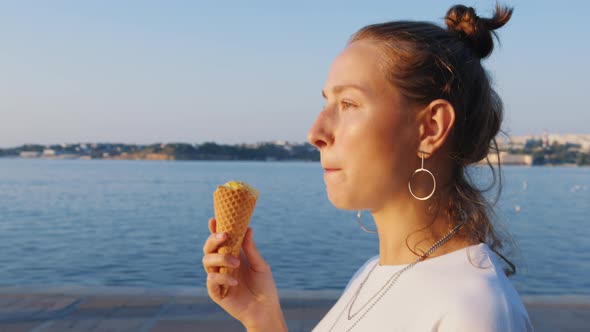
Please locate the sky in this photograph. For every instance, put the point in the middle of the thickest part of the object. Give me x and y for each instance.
(247, 71)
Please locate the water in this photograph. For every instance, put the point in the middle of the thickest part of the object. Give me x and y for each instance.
(143, 223)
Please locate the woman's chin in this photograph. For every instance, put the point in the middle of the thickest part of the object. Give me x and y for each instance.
(341, 202)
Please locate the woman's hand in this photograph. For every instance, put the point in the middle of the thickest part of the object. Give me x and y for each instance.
(252, 297)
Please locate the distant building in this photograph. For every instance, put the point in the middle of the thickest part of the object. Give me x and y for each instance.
(511, 159)
(545, 140)
(48, 153)
(68, 156)
(29, 154)
(251, 145)
(581, 139)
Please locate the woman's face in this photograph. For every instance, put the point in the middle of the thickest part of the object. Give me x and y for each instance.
(366, 133)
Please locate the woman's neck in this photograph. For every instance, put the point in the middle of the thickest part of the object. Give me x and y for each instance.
(406, 226)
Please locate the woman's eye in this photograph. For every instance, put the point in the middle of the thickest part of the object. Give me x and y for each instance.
(345, 104)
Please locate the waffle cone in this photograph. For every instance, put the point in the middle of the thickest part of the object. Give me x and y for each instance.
(233, 209)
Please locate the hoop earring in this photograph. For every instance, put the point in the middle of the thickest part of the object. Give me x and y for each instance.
(422, 169)
(358, 218)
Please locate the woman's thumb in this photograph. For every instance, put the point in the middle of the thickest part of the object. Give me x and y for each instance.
(257, 263)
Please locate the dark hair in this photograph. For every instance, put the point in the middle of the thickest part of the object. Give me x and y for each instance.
(426, 62)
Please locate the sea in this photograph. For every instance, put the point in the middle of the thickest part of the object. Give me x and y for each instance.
(143, 224)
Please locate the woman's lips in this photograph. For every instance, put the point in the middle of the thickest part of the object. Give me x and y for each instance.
(329, 172)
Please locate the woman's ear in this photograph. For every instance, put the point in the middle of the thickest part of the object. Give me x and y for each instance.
(434, 124)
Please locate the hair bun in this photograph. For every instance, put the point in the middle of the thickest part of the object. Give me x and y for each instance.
(475, 31)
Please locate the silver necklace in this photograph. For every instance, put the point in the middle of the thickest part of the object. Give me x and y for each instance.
(390, 282)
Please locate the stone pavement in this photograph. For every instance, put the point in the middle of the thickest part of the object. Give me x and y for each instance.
(141, 310)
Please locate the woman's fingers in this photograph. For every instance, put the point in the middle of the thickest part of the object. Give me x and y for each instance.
(211, 261)
(214, 242)
(257, 263)
(212, 225)
(216, 280)
(222, 279)
(211, 246)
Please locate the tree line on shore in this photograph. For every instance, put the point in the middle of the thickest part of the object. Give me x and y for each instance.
(542, 154)
(172, 151)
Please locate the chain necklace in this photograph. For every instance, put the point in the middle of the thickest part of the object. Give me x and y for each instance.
(387, 286)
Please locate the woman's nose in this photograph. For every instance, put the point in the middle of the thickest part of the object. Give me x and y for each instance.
(321, 133)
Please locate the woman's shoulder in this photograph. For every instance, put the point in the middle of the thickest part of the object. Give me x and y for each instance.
(474, 271)
(478, 293)
(489, 308)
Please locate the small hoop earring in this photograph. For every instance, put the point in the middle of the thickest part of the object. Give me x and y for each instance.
(422, 169)
(358, 218)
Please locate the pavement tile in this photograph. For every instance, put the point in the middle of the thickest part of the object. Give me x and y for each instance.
(92, 313)
(308, 325)
(8, 300)
(33, 307)
(292, 313)
(293, 325)
(147, 301)
(583, 315)
(136, 311)
(18, 326)
(314, 313)
(549, 319)
(57, 304)
(197, 326)
(119, 325)
(94, 325)
(198, 310)
(72, 325)
(103, 301)
(184, 299)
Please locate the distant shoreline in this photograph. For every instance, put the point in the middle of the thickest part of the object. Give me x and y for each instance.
(482, 163)
(530, 152)
(266, 151)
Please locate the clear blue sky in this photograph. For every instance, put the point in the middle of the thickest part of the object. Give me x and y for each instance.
(246, 71)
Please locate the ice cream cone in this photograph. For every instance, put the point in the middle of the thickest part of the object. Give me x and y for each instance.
(234, 204)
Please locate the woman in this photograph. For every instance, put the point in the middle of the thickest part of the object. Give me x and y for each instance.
(408, 107)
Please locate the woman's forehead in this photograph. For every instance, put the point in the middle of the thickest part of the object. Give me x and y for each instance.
(357, 58)
(358, 65)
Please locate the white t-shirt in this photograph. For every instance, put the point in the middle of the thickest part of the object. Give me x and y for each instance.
(462, 291)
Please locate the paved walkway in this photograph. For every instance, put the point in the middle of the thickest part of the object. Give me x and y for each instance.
(140, 310)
